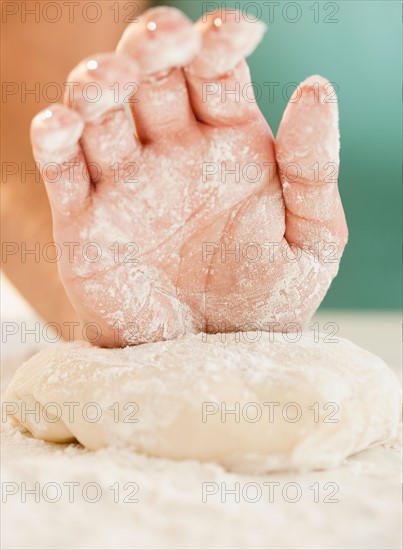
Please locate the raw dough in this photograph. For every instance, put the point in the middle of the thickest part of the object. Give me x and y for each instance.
(251, 402)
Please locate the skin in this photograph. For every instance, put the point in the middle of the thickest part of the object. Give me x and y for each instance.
(182, 244)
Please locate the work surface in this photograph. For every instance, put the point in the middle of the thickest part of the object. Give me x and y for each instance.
(116, 499)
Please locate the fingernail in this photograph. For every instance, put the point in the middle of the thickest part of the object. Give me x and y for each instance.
(110, 67)
(228, 37)
(164, 38)
(56, 128)
(101, 83)
(315, 89)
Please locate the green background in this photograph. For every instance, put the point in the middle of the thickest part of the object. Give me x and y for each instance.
(361, 53)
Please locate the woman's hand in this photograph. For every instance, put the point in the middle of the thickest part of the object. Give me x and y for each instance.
(197, 220)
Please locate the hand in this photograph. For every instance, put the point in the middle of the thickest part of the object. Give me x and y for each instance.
(196, 220)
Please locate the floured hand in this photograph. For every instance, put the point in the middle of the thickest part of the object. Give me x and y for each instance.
(197, 220)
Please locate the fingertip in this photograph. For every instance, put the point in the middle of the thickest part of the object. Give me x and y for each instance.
(97, 84)
(163, 38)
(56, 128)
(55, 135)
(313, 109)
(230, 20)
(314, 79)
(227, 38)
(104, 67)
(315, 90)
(116, 66)
(309, 134)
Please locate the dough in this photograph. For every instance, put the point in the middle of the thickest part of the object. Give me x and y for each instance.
(251, 402)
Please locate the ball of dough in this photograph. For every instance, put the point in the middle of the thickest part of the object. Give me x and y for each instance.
(251, 402)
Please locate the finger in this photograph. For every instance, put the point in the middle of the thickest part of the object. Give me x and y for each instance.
(161, 42)
(55, 134)
(218, 77)
(97, 89)
(307, 151)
